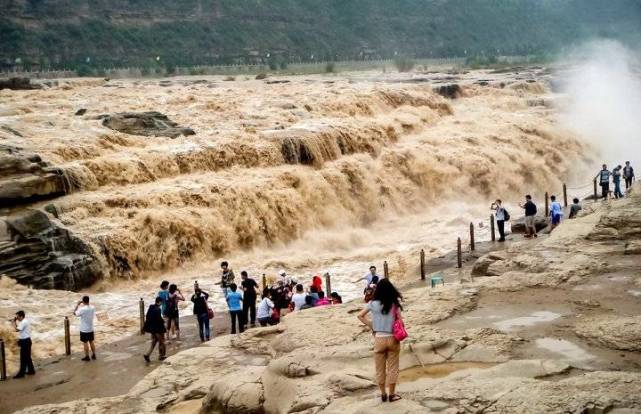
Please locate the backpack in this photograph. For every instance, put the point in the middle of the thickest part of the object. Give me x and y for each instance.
(506, 215)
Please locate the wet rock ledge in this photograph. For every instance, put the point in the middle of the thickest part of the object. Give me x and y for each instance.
(36, 251)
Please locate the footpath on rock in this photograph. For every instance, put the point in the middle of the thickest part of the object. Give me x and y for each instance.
(119, 367)
(549, 325)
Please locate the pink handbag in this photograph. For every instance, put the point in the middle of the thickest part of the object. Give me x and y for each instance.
(398, 328)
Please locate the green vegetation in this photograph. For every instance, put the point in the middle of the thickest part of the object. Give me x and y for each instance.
(404, 64)
(64, 33)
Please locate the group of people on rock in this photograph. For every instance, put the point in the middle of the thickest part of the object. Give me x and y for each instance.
(604, 176)
(22, 325)
(555, 212)
(285, 295)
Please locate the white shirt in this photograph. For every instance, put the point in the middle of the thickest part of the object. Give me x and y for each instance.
(24, 329)
(369, 276)
(299, 300)
(86, 314)
(500, 214)
(265, 308)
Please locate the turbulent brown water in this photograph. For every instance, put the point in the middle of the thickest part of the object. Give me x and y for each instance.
(320, 173)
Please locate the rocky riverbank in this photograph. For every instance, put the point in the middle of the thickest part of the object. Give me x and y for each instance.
(549, 326)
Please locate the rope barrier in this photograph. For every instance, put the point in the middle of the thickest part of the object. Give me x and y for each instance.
(581, 187)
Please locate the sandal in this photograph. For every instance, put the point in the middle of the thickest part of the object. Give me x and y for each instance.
(394, 397)
(384, 397)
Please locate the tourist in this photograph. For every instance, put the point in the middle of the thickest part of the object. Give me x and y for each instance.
(287, 281)
(385, 309)
(298, 299)
(604, 181)
(336, 299)
(368, 293)
(616, 179)
(369, 276)
(226, 278)
(155, 325)
(173, 317)
(317, 283)
(234, 301)
(556, 211)
(164, 295)
(322, 300)
(22, 325)
(530, 216)
(250, 293)
(309, 303)
(313, 292)
(628, 174)
(201, 311)
(265, 310)
(575, 208)
(86, 313)
(502, 216)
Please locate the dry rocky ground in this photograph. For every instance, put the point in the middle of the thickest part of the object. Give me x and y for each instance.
(475, 345)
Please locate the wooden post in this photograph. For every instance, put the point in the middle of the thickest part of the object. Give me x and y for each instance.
(422, 264)
(546, 204)
(472, 236)
(565, 195)
(459, 253)
(328, 286)
(595, 192)
(385, 269)
(492, 231)
(67, 337)
(3, 362)
(264, 281)
(141, 308)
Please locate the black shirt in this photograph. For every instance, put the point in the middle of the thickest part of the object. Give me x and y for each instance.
(249, 286)
(530, 208)
(200, 303)
(154, 323)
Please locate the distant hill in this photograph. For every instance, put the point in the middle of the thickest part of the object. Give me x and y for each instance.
(106, 33)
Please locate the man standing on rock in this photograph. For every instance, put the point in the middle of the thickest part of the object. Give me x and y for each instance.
(501, 217)
(249, 298)
(616, 179)
(628, 174)
(530, 216)
(227, 278)
(86, 313)
(367, 277)
(23, 326)
(604, 181)
(155, 325)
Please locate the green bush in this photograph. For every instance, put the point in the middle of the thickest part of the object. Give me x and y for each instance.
(404, 64)
(84, 70)
(330, 67)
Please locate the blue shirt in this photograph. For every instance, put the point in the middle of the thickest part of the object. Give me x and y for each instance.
(234, 300)
(556, 209)
(164, 295)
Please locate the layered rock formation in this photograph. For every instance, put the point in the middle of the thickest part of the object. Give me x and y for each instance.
(25, 178)
(41, 253)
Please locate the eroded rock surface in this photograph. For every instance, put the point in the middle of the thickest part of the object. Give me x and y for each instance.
(148, 124)
(38, 252)
(26, 177)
